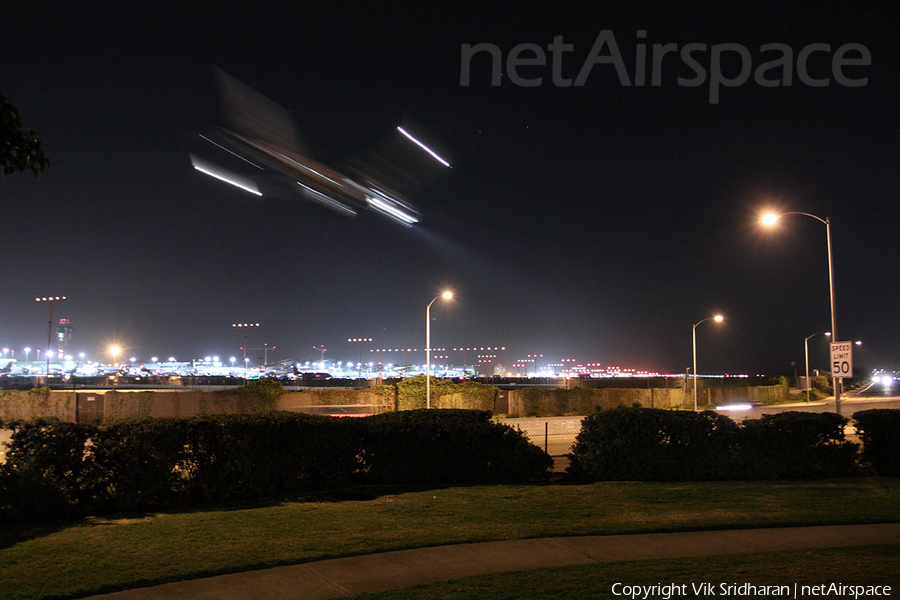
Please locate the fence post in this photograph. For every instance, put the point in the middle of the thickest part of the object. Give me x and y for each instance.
(546, 427)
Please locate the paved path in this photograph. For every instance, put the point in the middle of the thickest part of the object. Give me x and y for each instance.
(392, 570)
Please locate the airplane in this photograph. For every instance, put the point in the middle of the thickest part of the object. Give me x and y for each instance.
(262, 135)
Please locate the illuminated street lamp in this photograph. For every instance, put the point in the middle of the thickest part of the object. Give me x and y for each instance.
(50, 300)
(27, 351)
(446, 296)
(717, 319)
(245, 326)
(770, 219)
(114, 351)
(806, 353)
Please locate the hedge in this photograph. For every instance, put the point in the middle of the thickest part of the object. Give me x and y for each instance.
(655, 444)
(56, 469)
(47, 471)
(449, 446)
(652, 443)
(796, 445)
(879, 430)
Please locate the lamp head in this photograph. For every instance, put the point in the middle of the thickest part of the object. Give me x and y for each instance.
(718, 318)
(447, 295)
(769, 219)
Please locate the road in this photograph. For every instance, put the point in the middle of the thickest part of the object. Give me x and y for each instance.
(869, 397)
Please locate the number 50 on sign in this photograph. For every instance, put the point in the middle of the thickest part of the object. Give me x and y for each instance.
(842, 359)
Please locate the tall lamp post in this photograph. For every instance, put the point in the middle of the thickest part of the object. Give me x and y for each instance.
(245, 327)
(770, 219)
(406, 352)
(446, 296)
(321, 348)
(717, 319)
(50, 300)
(806, 354)
(359, 356)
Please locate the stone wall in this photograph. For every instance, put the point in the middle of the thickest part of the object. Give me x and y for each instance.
(38, 402)
(111, 406)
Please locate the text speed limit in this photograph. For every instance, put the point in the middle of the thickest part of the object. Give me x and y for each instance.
(842, 359)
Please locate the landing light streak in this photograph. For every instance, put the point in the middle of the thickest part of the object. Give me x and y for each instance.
(391, 211)
(424, 147)
(223, 175)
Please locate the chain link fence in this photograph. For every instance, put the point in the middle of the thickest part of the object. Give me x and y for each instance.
(555, 435)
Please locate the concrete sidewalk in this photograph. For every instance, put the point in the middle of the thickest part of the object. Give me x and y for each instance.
(392, 570)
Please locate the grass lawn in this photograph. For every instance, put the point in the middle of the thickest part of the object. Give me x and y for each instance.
(121, 551)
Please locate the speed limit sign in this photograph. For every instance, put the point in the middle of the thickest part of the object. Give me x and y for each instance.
(842, 359)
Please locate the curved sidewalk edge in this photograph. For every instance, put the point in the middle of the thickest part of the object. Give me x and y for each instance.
(391, 570)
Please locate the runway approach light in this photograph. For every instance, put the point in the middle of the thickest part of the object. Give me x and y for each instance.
(424, 147)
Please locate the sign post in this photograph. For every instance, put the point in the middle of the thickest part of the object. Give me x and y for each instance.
(841, 366)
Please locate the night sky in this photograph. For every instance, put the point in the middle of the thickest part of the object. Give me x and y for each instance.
(597, 221)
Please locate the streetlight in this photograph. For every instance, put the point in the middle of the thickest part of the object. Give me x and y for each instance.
(114, 351)
(806, 353)
(717, 319)
(770, 219)
(27, 350)
(446, 296)
(246, 326)
(51, 300)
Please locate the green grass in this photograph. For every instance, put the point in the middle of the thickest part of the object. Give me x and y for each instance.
(117, 552)
(869, 565)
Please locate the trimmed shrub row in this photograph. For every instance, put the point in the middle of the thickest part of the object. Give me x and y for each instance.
(449, 446)
(879, 430)
(57, 469)
(654, 444)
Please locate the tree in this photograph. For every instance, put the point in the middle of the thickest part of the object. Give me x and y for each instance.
(20, 149)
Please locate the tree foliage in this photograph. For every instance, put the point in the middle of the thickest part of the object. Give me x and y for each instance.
(20, 149)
